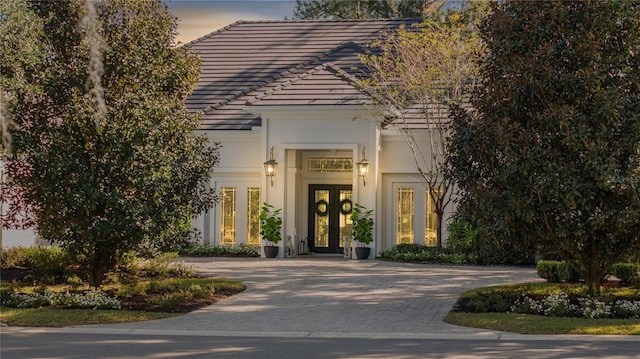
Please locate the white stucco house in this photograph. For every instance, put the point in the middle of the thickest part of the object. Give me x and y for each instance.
(283, 91)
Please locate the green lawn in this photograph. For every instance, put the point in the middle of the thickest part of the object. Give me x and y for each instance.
(51, 317)
(536, 324)
(477, 308)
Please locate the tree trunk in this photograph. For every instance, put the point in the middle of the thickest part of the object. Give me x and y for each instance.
(439, 214)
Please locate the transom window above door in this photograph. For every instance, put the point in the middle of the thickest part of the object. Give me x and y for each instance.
(329, 164)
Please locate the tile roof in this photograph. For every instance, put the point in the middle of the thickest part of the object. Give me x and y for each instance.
(271, 63)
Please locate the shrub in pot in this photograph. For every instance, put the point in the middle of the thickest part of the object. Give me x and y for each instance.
(362, 229)
(270, 227)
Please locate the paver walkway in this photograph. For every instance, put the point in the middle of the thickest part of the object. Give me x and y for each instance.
(334, 297)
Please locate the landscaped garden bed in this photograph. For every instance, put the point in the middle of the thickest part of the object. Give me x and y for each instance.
(54, 293)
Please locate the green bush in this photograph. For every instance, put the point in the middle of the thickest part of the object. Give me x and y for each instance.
(49, 265)
(463, 236)
(422, 254)
(628, 273)
(567, 272)
(558, 271)
(492, 301)
(160, 266)
(13, 257)
(549, 270)
(242, 250)
(169, 301)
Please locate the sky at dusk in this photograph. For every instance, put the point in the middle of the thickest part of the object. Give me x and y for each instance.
(201, 17)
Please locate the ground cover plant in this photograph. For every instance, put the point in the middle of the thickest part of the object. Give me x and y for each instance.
(138, 290)
(550, 308)
(198, 250)
(487, 254)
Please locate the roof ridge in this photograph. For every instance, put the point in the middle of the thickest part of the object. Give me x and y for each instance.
(342, 73)
(321, 65)
(271, 21)
(293, 80)
(314, 59)
(211, 34)
(240, 22)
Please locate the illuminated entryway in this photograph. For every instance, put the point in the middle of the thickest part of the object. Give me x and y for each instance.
(329, 211)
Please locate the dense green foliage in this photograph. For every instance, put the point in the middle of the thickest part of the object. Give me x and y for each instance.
(628, 273)
(549, 156)
(53, 266)
(362, 227)
(241, 250)
(551, 300)
(104, 151)
(488, 254)
(21, 53)
(361, 9)
(270, 223)
(557, 271)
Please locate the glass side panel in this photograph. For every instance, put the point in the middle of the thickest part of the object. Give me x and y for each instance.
(329, 164)
(228, 216)
(405, 215)
(253, 213)
(430, 235)
(346, 204)
(321, 221)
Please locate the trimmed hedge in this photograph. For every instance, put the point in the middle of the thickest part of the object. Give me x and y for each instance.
(628, 273)
(557, 271)
(241, 250)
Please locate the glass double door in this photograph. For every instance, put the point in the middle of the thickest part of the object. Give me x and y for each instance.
(330, 209)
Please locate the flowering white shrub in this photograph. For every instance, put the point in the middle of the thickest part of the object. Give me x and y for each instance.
(526, 305)
(560, 305)
(593, 308)
(34, 300)
(627, 309)
(557, 305)
(95, 299)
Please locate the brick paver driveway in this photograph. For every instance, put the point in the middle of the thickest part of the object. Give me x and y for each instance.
(332, 296)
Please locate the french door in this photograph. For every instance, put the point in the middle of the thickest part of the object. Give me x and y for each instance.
(329, 217)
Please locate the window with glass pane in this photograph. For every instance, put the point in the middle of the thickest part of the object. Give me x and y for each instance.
(322, 219)
(430, 235)
(329, 164)
(228, 216)
(253, 213)
(405, 215)
(346, 197)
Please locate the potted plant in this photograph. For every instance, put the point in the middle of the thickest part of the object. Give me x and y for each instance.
(362, 229)
(270, 226)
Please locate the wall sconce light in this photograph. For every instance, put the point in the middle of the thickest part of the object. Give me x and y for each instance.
(363, 167)
(270, 166)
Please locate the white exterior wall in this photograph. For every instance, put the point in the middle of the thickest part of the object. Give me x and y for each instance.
(291, 130)
(294, 131)
(240, 165)
(398, 168)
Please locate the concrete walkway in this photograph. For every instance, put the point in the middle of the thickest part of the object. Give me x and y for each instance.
(319, 296)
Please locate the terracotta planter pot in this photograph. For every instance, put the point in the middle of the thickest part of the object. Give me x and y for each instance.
(271, 251)
(363, 252)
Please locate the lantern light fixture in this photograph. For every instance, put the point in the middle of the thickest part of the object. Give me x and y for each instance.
(270, 166)
(363, 167)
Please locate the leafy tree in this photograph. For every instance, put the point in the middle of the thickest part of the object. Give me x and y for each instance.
(416, 75)
(104, 153)
(549, 156)
(361, 9)
(21, 52)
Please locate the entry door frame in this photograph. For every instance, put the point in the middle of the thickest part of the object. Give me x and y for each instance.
(333, 212)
